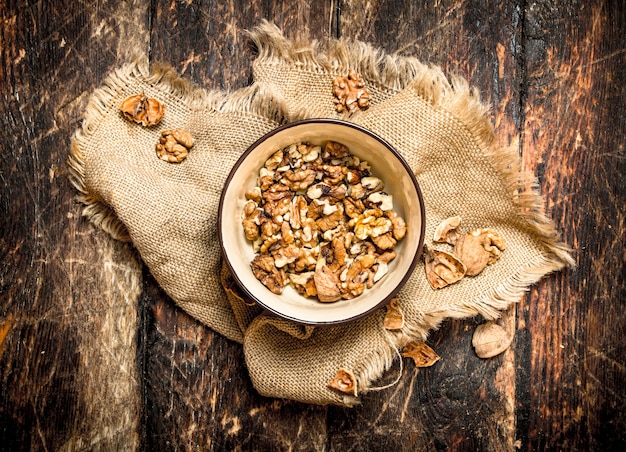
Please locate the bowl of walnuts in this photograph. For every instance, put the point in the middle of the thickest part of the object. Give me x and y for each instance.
(321, 221)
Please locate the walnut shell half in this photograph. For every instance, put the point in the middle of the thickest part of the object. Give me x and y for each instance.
(442, 269)
(344, 381)
(479, 248)
(448, 231)
(144, 110)
(421, 354)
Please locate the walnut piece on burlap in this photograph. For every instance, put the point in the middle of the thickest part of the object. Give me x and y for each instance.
(169, 212)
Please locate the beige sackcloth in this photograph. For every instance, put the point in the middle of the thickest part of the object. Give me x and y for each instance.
(169, 211)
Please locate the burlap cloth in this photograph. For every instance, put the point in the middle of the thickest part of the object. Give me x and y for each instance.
(169, 211)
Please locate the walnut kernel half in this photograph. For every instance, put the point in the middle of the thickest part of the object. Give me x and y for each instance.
(350, 93)
(174, 145)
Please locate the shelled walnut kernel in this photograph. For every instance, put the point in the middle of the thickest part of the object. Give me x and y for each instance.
(350, 93)
(174, 145)
(320, 222)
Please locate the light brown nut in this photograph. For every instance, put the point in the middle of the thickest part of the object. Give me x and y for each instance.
(394, 319)
(370, 225)
(276, 192)
(442, 269)
(384, 201)
(309, 153)
(353, 207)
(144, 110)
(422, 354)
(298, 211)
(357, 191)
(265, 271)
(174, 145)
(326, 284)
(344, 381)
(358, 267)
(250, 220)
(350, 93)
(372, 184)
(333, 174)
(298, 180)
(448, 231)
(331, 221)
(334, 150)
(382, 262)
(479, 248)
(274, 161)
(254, 194)
(398, 225)
(384, 241)
(285, 255)
(490, 339)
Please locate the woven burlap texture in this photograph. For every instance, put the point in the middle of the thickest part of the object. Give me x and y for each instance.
(169, 211)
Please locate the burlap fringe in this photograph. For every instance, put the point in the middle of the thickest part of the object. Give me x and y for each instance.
(454, 95)
(394, 73)
(388, 72)
(256, 99)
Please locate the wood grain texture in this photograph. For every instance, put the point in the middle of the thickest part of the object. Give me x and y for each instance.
(573, 353)
(94, 355)
(69, 378)
(478, 41)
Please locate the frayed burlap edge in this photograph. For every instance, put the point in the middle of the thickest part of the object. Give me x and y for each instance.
(392, 73)
(256, 99)
(453, 95)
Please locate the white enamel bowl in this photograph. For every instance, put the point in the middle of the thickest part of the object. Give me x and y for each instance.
(385, 163)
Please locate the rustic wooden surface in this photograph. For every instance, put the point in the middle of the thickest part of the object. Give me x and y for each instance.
(93, 355)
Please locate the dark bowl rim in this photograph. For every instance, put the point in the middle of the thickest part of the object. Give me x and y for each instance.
(378, 138)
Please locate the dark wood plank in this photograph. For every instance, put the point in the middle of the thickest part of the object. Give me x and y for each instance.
(93, 354)
(68, 373)
(572, 356)
(197, 388)
(463, 401)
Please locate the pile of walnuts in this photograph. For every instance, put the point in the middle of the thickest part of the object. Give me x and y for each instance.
(472, 253)
(320, 222)
(173, 145)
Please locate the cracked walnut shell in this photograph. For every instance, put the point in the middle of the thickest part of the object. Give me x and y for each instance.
(421, 354)
(144, 110)
(344, 381)
(350, 93)
(442, 269)
(394, 320)
(174, 145)
(479, 248)
(448, 231)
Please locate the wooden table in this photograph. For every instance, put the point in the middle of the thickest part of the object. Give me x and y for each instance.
(93, 354)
